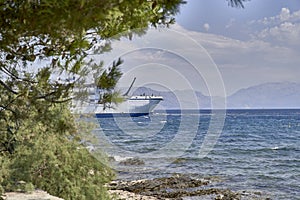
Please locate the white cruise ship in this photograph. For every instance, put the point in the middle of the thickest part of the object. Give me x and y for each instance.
(133, 106)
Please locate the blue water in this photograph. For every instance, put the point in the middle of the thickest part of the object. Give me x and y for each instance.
(256, 150)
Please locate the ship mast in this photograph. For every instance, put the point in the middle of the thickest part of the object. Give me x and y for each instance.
(126, 93)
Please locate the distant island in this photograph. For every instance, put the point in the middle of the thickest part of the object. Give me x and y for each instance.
(263, 96)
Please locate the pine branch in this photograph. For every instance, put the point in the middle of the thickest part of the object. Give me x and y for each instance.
(7, 87)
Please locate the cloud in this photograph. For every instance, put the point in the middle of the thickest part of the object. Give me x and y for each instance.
(282, 29)
(254, 53)
(206, 26)
(285, 15)
(286, 33)
(241, 63)
(247, 63)
(230, 23)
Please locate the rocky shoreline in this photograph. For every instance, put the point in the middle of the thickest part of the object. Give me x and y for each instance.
(177, 187)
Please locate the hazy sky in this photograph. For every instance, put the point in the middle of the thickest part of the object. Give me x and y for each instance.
(216, 48)
(260, 43)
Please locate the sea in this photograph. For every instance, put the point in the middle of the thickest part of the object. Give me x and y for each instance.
(255, 150)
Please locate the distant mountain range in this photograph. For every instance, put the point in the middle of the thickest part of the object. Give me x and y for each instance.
(268, 95)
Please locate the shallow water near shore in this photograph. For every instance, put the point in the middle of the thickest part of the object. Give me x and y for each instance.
(257, 150)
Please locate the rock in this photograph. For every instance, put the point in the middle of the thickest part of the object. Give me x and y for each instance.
(173, 182)
(174, 187)
(125, 195)
(35, 195)
(132, 161)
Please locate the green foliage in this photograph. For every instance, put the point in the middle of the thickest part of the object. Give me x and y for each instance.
(109, 78)
(40, 143)
(40, 40)
(106, 84)
(50, 157)
(21, 186)
(4, 172)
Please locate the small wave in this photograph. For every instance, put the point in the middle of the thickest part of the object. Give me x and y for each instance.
(286, 148)
(275, 148)
(121, 158)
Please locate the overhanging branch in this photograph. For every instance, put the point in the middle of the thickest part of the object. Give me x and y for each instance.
(7, 87)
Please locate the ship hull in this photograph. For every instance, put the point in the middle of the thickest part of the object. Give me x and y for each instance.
(112, 115)
(133, 107)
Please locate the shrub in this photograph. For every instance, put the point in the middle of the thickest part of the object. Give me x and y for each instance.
(49, 155)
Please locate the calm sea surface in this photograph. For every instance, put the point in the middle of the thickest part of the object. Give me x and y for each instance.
(253, 150)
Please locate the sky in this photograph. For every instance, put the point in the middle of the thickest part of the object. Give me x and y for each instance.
(254, 45)
(217, 49)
